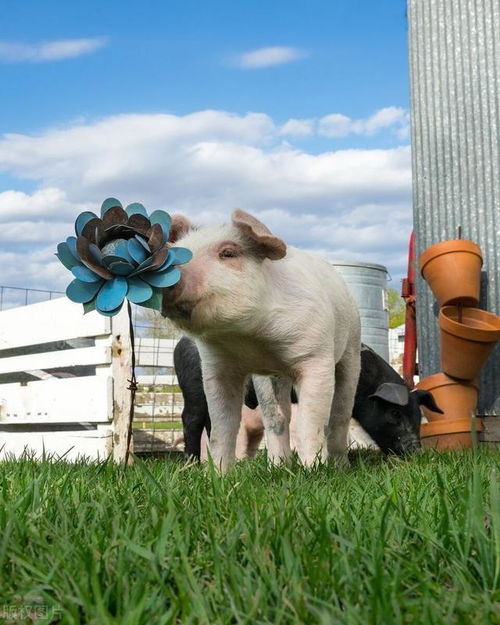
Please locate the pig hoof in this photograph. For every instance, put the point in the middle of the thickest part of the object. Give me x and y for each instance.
(279, 460)
(340, 461)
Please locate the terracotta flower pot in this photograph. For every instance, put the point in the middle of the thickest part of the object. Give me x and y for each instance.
(453, 271)
(449, 433)
(466, 345)
(456, 399)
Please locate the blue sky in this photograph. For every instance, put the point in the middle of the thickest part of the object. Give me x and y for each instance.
(255, 103)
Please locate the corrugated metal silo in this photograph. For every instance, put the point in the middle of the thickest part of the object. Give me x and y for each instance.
(455, 113)
(368, 285)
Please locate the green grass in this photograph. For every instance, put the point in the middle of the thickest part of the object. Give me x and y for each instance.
(161, 542)
(157, 425)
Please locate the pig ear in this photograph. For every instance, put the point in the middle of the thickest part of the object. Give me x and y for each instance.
(426, 399)
(394, 393)
(179, 228)
(272, 247)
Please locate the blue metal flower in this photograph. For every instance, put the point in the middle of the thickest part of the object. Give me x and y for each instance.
(124, 253)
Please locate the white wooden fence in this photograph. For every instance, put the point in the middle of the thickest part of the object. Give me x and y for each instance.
(63, 380)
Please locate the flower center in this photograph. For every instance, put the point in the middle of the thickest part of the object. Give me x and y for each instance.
(110, 248)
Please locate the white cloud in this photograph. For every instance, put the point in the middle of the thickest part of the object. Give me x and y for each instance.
(298, 127)
(268, 57)
(343, 204)
(389, 116)
(15, 52)
(395, 120)
(393, 117)
(39, 204)
(335, 125)
(33, 231)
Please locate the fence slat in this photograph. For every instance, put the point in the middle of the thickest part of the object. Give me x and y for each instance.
(55, 320)
(71, 445)
(97, 355)
(67, 400)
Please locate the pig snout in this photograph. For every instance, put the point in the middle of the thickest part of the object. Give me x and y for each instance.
(172, 293)
(180, 300)
(404, 446)
(175, 304)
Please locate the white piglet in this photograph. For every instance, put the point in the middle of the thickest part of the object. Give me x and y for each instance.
(255, 306)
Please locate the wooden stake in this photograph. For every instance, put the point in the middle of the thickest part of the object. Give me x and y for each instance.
(123, 397)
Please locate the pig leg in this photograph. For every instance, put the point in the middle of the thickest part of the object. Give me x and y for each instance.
(194, 420)
(242, 442)
(224, 391)
(346, 380)
(250, 433)
(254, 439)
(316, 385)
(274, 401)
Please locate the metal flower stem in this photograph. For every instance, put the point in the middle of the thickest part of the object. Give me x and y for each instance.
(132, 382)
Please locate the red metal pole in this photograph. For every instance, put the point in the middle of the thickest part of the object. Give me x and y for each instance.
(408, 293)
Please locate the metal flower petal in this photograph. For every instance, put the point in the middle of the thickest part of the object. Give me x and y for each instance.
(109, 259)
(88, 259)
(93, 231)
(138, 290)
(121, 268)
(164, 279)
(139, 223)
(82, 292)
(82, 220)
(159, 257)
(168, 263)
(143, 266)
(95, 252)
(143, 242)
(112, 294)
(155, 237)
(162, 218)
(110, 313)
(71, 243)
(115, 216)
(65, 256)
(122, 251)
(155, 301)
(108, 203)
(85, 274)
(181, 255)
(118, 248)
(136, 250)
(136, 208)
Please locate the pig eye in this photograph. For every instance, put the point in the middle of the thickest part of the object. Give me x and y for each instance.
(395, 415)
(228, 252)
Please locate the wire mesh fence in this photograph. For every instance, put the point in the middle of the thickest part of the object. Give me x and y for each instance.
(13, 296)
(159, 402)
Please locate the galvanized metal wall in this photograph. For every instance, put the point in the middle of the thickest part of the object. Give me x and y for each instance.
(368, 285)
(454, 50)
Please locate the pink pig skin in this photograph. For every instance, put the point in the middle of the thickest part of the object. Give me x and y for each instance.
(249, 436)
(255, 306)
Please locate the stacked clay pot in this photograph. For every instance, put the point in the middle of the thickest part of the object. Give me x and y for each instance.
(468, 335)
